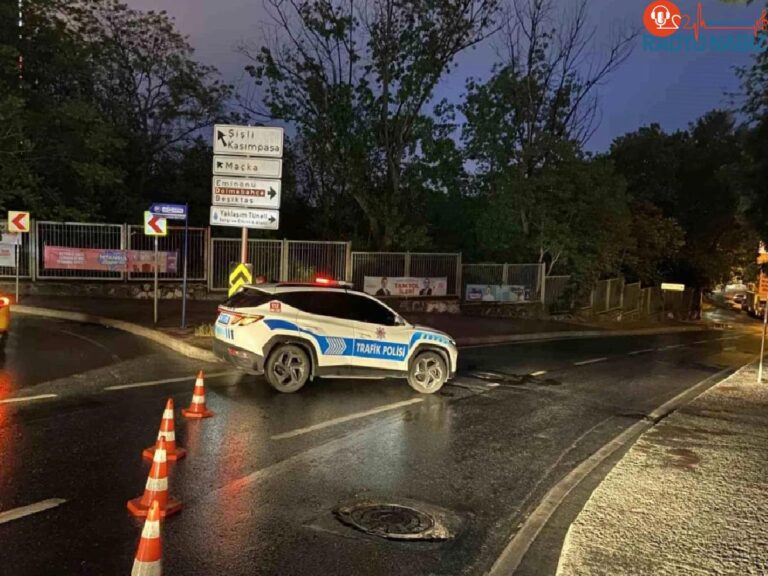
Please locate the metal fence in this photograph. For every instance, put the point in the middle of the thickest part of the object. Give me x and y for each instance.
(631, 297)
(25, 256)
(531, 276)
(77, 235)
(555, 288)
(303, 261)
(607, 295)
(408, 265)
(174, 242)
(265, 255)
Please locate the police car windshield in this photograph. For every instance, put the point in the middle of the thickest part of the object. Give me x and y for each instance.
(248, 298)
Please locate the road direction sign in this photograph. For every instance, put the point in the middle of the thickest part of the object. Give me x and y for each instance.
(245, 192)
(255, 167)
(248, 140)
(170, 211)
(239, 275)
(245, 218)
(18, 221)
(155, 225)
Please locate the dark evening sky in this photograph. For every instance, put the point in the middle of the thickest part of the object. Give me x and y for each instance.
(671, 88)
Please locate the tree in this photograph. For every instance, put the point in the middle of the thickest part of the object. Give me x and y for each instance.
(524, 131)
(692, 178)
(355, 82)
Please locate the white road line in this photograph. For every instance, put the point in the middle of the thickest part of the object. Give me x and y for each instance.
(644, 351)
(673, 347)
(41, 506)
(592, 361)
(730, 338)
(167, 381)
(27, 398)
(729, 348)
(701, 341)
(343, 419)
(539, 373)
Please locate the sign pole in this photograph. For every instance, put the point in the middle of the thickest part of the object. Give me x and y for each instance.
(244, 247)
(17, 270)
(157, 266)
(184, 282)
(762, 344)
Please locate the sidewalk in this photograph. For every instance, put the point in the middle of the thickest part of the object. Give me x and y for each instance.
(689, 498)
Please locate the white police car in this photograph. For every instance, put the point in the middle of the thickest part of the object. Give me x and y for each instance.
(294, 332)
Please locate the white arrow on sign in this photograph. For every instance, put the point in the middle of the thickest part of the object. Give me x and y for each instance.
(257, 218)
(239, 166)
(245, 192)
(248, 140)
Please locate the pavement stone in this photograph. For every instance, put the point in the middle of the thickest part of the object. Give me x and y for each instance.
(689, 498)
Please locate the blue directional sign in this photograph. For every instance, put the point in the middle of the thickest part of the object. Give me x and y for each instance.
(170, 211)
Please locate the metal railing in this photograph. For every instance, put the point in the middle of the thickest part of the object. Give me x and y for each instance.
(608, 295)
(77, 235)
(26, 254)
(303, 261)
(408, 265)
(197, 267)
(631, 297)
(265, 255)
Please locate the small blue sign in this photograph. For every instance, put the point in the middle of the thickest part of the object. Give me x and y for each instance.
(170, 211)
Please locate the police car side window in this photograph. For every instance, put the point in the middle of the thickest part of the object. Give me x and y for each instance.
(367, 310)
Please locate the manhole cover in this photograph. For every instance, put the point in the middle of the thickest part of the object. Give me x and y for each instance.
(392, 521)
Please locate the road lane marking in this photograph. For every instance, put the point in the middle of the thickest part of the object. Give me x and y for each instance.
(672, 347)
(701, 341)
(539, 373)
(730, 338)
(167, 381)
(27, 398)
(592, 361)
(23, 511)
(644, 351)
(348, 418)
(92, 342)
(730, 348)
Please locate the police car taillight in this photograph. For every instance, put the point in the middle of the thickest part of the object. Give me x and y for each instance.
(246, 320)
(4, 301)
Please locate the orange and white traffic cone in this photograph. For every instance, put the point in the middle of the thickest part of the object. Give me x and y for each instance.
(167, 433)
(149, 555)
(156, 488)
(197, 407)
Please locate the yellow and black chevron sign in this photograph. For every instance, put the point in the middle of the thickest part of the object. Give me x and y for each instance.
(239, 276)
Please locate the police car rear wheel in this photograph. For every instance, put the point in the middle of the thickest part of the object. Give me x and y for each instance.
(428, 373)
(288, 368)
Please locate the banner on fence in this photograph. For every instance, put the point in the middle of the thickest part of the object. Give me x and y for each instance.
(385, 286)
(8, 255)
(497, 293)
(65, 258)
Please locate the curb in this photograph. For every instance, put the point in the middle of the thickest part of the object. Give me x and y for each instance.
(574, 335)
(150, 334)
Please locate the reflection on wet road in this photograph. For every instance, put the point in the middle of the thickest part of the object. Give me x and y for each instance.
(263, 476)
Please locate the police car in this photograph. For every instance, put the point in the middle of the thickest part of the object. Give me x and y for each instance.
(294, 332)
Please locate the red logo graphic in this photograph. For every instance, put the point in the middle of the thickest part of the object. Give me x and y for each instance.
(275, 306)
(381, 333)
(662, 18)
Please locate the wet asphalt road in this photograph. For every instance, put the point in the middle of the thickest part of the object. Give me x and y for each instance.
(263, 476)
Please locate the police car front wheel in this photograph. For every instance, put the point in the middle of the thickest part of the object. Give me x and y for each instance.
(288, 368)
(428, 373)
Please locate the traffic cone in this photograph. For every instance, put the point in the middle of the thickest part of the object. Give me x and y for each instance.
(168, 434)
(156, 488)
(149, 555)
(197, 408)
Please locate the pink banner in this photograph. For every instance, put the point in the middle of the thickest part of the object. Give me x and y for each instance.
(63, 258)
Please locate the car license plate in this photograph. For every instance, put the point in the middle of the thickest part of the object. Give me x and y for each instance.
(223, 319)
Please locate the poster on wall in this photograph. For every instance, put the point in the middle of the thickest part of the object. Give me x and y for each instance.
(497, 293)
(7, 255)
(103, 260)
(391, 286)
